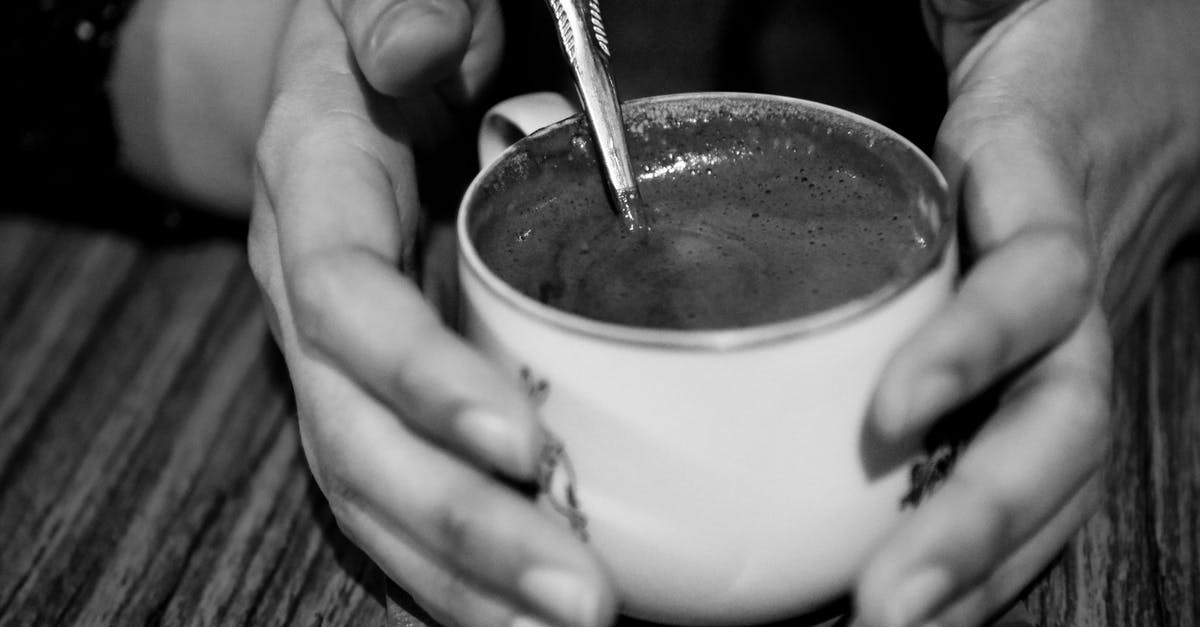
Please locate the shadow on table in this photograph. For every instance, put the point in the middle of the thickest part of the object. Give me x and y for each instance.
(835, 614)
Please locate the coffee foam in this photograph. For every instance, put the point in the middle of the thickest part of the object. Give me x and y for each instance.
(758, 215)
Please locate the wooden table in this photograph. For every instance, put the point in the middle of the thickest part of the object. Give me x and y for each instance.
(150, 469)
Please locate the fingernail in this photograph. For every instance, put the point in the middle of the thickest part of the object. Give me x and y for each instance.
(393, 17)
(563, 595)
(916, 599)
(494, 439)
(401, 19)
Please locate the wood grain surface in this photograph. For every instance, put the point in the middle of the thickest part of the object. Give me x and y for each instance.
(150, 471)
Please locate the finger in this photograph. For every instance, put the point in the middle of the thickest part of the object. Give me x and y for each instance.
(450, 597)
(971, 10)
(403, 44)
(981, 603)
(347, 207)
(323, 114)
(352, 306)
(955, 26)
(476, 528)
(977, 605)
(371, 322)
(1031, 284)
(1048, 437)
(363, 458)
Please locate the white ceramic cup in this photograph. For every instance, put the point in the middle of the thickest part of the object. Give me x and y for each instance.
(722, 476)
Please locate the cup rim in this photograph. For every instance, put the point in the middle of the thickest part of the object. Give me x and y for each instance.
(723, 339)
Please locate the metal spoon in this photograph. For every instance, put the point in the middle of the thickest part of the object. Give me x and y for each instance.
(585, 45)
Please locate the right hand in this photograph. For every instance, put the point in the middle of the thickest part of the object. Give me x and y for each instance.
(407, 430)
(1072, 146)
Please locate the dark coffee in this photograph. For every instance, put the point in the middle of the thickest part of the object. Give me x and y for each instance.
(756, 217)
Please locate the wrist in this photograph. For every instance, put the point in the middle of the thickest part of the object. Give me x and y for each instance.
(190, 86)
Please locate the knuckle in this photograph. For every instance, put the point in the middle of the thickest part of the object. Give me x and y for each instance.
(300, 127)
(332, 127)
(268, 149)
(991, 340)
(988, 519)
(330, 465)
(265, 161)
(456, 526)
(337, 494)
(261, 254)
(343, 518)
(971, 9)
(1005, 332)
(340, 493)
(312, 285)
(1085, 408)
(461, 519)
(345, 503)
(1066, 251)
(416, 355)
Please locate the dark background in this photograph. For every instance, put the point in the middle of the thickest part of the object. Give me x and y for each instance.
(872, 58)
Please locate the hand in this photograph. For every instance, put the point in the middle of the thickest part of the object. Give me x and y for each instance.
(407, 430)
(1073, 145)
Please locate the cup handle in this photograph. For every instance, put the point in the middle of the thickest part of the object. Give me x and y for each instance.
(512, 119)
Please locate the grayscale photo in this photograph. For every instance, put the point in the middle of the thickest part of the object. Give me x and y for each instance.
(600, 313)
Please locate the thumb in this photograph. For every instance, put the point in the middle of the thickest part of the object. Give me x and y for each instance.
(956, 26)
(405, 45)
(1031, 268)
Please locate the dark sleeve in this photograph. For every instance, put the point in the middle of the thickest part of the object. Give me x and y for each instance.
(58, 132)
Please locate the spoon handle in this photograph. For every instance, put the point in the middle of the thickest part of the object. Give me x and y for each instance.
(585, 44)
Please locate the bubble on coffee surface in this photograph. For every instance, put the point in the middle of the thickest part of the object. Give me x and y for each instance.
(750, 224)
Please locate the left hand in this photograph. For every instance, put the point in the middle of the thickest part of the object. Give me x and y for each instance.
(413, 437)
(1072, 143)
